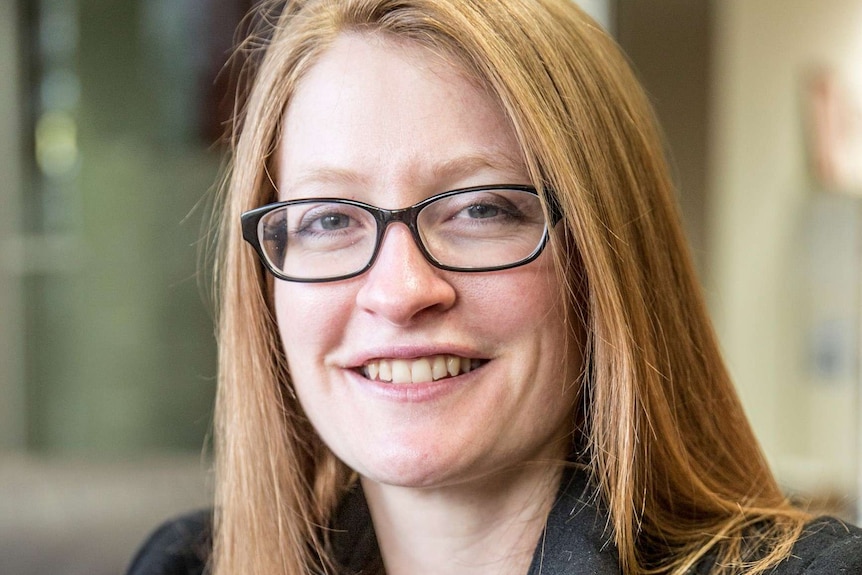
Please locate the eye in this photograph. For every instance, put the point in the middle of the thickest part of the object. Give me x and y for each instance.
(326, 218)
(480, 211)
(334, 221)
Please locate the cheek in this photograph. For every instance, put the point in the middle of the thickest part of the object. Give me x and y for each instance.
(310, 320)
(528, 300)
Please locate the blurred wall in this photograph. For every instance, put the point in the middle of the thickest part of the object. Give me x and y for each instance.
(11, 340)
(669, 44)
(107, 355)
(119, 351)
(783, 265)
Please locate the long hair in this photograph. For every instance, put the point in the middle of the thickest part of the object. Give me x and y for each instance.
(663, 433)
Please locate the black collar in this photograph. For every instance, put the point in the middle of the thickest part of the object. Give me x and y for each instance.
(578, 539)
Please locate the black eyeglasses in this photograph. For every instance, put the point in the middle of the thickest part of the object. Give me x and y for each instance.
(476, 229)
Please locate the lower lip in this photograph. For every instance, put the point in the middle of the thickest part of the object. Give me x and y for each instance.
(414, 392)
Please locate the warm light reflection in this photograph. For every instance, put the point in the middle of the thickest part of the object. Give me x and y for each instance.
(56, 144)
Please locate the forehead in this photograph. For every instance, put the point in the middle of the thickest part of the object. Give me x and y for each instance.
(381, 112)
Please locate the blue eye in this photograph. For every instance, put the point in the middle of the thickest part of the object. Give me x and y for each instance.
(479, 211)
(327, 218)
(334, 222)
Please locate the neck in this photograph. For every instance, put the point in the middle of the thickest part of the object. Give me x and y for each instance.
(490, 526)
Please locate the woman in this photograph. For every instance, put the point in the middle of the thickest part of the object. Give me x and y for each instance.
(470, 340)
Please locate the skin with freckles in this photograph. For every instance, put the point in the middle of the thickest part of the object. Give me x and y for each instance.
(391, 124)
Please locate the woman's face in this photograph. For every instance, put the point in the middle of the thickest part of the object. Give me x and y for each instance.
(390, 125)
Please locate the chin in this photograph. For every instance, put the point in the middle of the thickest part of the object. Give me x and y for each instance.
(413, 469)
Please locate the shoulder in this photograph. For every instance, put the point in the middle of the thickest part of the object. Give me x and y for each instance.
(178, 547)
(827, 546)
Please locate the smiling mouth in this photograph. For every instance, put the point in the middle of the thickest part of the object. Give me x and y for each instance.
(420, 370)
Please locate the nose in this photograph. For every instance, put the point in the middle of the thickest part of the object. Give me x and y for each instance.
(402, 284)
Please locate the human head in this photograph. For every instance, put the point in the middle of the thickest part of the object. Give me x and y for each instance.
(568, 121)
(587, 133)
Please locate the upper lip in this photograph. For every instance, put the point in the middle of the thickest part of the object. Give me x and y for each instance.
(408, 352)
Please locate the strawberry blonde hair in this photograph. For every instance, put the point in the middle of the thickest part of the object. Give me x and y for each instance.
(662, 431)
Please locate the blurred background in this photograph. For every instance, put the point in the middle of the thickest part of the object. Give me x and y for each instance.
(110, 114)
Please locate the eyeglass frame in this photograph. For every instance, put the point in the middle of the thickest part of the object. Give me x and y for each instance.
(250, 221)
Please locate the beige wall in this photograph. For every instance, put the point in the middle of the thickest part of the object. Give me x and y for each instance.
(766, 289)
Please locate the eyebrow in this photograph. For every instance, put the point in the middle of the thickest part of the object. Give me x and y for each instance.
(451, 169)
(329, 175)
(469, 164)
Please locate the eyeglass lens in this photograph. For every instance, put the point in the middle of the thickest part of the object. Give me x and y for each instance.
(469, 230)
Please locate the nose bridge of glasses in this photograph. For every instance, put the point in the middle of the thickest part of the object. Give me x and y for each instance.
(406, 216)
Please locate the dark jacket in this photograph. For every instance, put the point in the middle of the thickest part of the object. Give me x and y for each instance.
(576, 541)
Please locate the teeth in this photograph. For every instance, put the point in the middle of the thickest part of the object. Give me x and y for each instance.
(453, 365)
(438, 369)
(401, 371)
(385, 371)
(420, 370)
